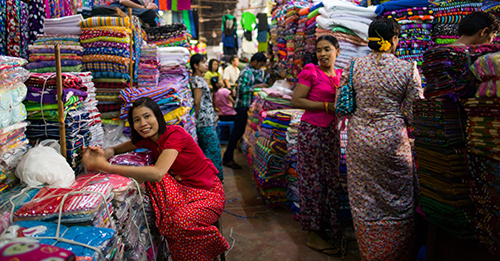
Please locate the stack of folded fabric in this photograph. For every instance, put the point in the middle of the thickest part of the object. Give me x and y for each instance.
(483, 145)
(300, 44)
(13, 142)
(446, 69)
(90, 104)
(415, 38)
(107, 49)
(349, 24)
(442, 165)
(63, 25)
(493, 7)
(17, 196)
(42, 58)
(173, 72)
(291, 24)
(174, 35)
(290, 162)
(44, 121)
(278, 39)
(148, 73)
(447, 16)
(251, 132)
(310, 47)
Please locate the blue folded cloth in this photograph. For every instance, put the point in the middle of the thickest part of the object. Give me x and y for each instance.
(400, 4)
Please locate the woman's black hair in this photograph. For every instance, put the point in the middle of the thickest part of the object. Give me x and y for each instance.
(385, 28)
(196, 59)
(330, 39)
(151, 104)
(211, 62)
(213, 81)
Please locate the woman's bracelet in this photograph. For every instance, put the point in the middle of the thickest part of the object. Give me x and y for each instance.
(325, 106)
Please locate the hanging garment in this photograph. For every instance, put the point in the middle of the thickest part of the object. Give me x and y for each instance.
(193, 27)
(248, 35)
(263, 25)
(248, 21)
(229, 24)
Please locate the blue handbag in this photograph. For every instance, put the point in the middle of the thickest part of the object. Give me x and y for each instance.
(346, 102)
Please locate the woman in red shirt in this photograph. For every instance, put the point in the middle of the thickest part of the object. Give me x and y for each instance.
(189, 200)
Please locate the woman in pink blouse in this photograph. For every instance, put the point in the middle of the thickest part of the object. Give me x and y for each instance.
(319, 147)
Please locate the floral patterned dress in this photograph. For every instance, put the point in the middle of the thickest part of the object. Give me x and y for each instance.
(380, 177)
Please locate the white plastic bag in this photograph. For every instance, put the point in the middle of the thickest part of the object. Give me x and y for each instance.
(45, 166)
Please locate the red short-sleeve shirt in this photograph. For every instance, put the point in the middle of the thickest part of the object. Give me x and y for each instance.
(191, 165)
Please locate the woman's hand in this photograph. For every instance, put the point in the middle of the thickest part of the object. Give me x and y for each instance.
(94, 158)
(152, 6)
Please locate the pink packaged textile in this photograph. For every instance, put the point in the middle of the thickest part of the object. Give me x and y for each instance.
(142, 158)
(31, 251)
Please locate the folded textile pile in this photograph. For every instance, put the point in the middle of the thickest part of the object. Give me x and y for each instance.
(446, 69)
(90, 104)
(13, 141)
(447, 16)
(173, 35)
(442, 165)
(63, 25)
(291, 25)
(310, 42)
(290, 161)
(415, 38)
(41, 105)
(173, 72)
(349, 24)
(107, 49)
(104, 242)
(299, 46)
(19, 195)
(148, 73)
(278, 40)
(42, 57)
(493, 7)
(483, 145)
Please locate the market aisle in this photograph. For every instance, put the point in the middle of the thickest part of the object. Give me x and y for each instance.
(273, 234)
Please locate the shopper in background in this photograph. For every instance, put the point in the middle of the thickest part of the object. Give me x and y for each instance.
(250, 77)
(213, 70)
(319, 148)
(145, 10)
(186, 194)
(380, 178)
(477, 28)
(223, 101)
(231, 73)
(208, 138)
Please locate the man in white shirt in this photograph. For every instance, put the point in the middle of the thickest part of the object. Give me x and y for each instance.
(231, 73)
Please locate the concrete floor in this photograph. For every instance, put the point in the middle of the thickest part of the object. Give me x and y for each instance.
(272, 234)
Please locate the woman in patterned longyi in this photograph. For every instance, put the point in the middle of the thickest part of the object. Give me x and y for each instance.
(206, 121)
(186, 194)
(319, 148)
(380, 178)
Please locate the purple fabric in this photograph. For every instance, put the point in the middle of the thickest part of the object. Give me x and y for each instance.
(44, 64)
(50, 95)
(143, 158)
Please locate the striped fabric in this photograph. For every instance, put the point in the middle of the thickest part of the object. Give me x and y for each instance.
(129, 95)
(105, 21)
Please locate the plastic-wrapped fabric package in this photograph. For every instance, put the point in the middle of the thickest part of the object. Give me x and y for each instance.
(103, 239)
(83, 206)
(137, 158)
(19, 196)
(35, 252)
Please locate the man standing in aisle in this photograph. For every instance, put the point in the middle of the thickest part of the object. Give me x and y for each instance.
(250, 77)
(477, 28)
(231, 73)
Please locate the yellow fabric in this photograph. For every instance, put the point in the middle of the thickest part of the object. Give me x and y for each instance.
(110, 28)
(175, 114)
(107, 39)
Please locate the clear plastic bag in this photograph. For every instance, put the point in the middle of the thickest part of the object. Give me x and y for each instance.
(44, 165)
(137, 158)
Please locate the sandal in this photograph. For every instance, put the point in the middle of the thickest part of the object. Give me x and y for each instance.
(328, 251)
(232, 165)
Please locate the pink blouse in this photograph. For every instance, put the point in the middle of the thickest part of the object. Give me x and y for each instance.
(323, 89)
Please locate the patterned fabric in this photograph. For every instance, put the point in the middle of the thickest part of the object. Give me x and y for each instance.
(3, 28)
(248, 78)
(206, 115)
(106, 44)
(397, 239)
(346, 100)
(105, 21)
(208, 140)
(380, 177)
(185, 216)
(13, 32)
(34, 252)
(318, 171)
(89, 34)
(107, 51)
(105, 58)
(105, 66)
